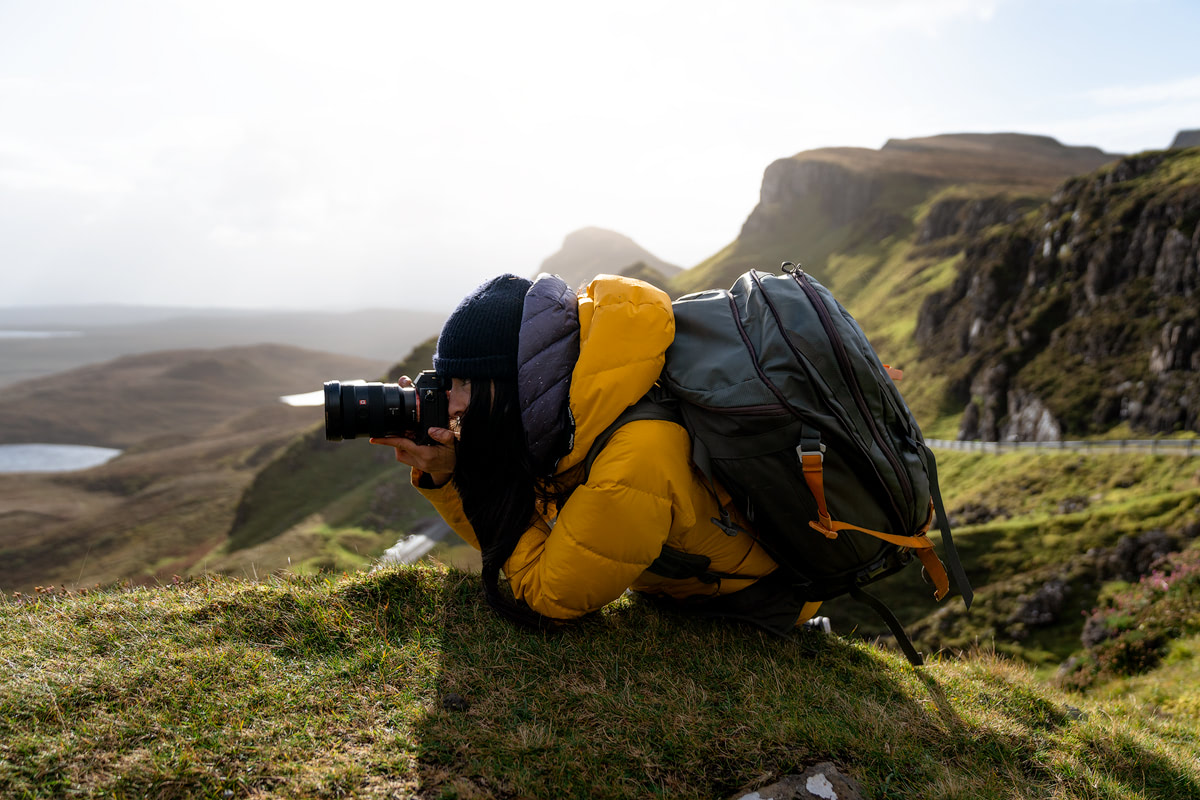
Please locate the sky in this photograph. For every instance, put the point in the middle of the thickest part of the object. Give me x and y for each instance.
(341, 155)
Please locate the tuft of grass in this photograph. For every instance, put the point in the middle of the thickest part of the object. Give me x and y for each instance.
(403, 683)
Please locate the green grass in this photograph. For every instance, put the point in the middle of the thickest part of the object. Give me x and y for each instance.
(338, 687)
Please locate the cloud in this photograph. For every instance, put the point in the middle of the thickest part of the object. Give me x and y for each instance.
(297, 152)
(926, 17)
(1180, 90)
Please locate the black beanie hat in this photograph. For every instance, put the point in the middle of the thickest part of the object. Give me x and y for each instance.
(479, 340)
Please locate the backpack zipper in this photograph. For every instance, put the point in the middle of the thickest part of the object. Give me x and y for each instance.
(839, 350)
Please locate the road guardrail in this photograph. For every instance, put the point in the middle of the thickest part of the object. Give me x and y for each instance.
(1180, 447)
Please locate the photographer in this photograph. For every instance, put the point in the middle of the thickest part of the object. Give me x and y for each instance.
(537, 374)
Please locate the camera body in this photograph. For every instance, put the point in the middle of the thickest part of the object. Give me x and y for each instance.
(353, 410)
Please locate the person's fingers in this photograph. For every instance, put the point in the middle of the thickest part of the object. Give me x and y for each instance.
(429, 458)
(442, 435)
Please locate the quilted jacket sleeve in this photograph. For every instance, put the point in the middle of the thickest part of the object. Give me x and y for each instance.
(608, 532)
(612, 527)
(446, 502)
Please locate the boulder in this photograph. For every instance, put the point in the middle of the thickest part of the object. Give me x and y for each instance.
(821, 782)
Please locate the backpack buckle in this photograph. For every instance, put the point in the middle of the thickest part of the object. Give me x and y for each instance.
(726, 524)
(812, 453)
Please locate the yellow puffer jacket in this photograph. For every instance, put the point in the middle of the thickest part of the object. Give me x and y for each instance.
(641, 492)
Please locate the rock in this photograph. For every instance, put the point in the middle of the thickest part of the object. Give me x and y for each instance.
(958, 216)
(823, 781)
(1029, 420)
(1134, 556)
(1073, 505)
(968, 429)
(1076, 714)
(1043, 607)
(975, 514)
(843, 195)
(991, 387)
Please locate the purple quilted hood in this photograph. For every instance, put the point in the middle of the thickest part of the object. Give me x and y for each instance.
(546, 356)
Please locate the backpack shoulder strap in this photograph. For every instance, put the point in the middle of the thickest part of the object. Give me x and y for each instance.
(655, 404)
(671, 563)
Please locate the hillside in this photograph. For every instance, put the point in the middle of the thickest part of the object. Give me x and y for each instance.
(196, 425)
(1081, 315)
(1044, 536)
(402, 684)
(177, 393)
(589, 252)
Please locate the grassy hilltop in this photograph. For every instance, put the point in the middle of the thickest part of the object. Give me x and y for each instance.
(402, 684)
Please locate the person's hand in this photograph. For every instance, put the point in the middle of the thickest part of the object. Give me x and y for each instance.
(436, 459)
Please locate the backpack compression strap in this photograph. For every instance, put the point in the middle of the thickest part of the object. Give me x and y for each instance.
(812, 461)
(960, 575)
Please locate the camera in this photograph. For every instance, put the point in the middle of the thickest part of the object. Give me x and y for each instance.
(387, 409)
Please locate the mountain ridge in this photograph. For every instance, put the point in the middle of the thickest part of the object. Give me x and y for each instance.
(592, 251)
(819, 204)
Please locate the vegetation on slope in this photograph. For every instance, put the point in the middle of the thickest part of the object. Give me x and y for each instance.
(403, 683)
(327, 505)
(1137, 625)
(1041, 534)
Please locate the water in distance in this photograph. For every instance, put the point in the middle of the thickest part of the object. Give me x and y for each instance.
(52, 457)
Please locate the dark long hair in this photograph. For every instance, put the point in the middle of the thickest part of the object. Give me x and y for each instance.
(501, 494)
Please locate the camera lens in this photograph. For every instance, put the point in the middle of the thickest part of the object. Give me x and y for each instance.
(369, 409)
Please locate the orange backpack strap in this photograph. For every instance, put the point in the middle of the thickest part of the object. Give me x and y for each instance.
(812, 461)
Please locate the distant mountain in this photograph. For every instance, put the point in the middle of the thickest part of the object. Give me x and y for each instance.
(589, 252)
(821, 206)
(1081, 315)
(1186, 139)
(107, 332)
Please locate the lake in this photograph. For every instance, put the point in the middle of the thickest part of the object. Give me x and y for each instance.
(52, 457)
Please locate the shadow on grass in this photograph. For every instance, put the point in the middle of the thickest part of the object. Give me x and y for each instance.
(634, 702)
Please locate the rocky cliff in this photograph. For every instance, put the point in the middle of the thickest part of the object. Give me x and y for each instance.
(1186, 139)
(821, 205)
(1080, 315)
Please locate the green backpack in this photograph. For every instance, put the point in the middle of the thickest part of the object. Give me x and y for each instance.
(789, 408)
